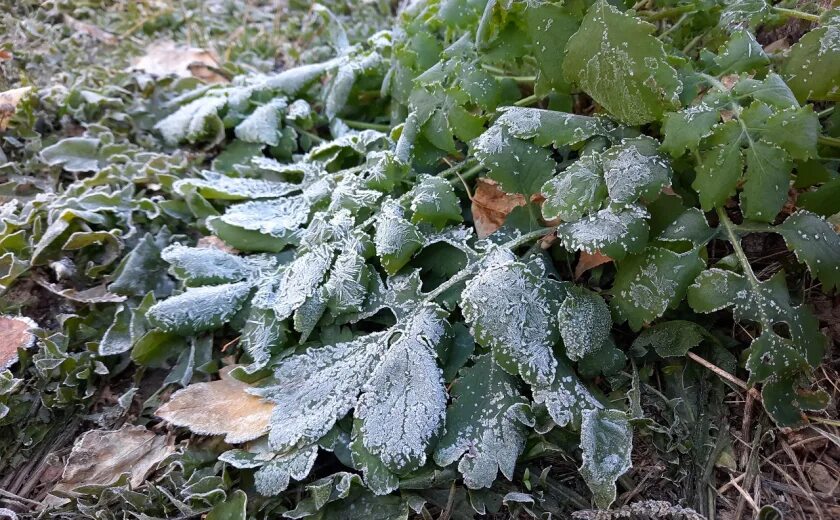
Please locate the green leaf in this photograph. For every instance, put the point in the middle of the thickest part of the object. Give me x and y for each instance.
(199, 309)
(615, 59)
(646, 285)
(771, 90)
(576, 191)
(784, 400)
(685, 129)
(233, 508)
(547, 127)
(396, 238)
(795, 130)
(634, 170)
(482, 431)
(378, 478)
(433, 200)
(517, 165)
(258, 225)
(812, 65)
(671, 338)
(550, 26)
(606, 441)
(816, 244)
(742, 53)
(584, 321)
(614, 233)
(738, 14)
(720, 166)
(74, 154)
(566, 398)
(521, 333)
(766, 181)
(203, 266)
(117, 338)
(273, 477)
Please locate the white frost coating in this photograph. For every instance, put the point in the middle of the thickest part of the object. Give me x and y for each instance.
(218, 186)
(606, 441)
(299, 280)
(404, 402)
(299, 111)
(490, 142)
(201, 265)
(576, 191)
(584, 321)
(566, 397)
(318, 387)
(199, 309)
(603, 229)
(189, 121)
(550, 126)
(508, 310)
(393, 232)
(263, 124)
(482, 429)
(634, 169)
(291, 82)
(347, 285)
(277, 217)
(273, 478)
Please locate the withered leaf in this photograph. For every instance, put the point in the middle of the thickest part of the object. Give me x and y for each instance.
(590, 261)
(15, 333)
(220, 407)
(490, 206)
(8, 103)
(165, 58)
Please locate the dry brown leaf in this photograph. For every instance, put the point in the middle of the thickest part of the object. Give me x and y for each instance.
(822, 479)
(590, 261)
(165, 58)
(777, 46)
(490, 206)
(8, 103)
(15, 333)
(99, 457)
(91, 30)
(5, 55)
(214, 242)
(220, 407)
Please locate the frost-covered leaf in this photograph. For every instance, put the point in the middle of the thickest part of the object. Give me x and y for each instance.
(767, 181)
(482, 431)
(316, 388)
(203, 265)
(738, 14)
(816, 244)
(576, 191)
(547, 127)
(222, 407)
(396, 238)
(347, 285)
(194, 122)
(200, 308)
(584, 321)
(671, 338)
(258, 225)
(606, 440)
(520, 333)
(295, 283)
(263, 124)
(434, 201)
(634, 170)
(646, 285)
(795, 130)
(690, 226)
(223, 187)
(771, 90)
(518, 166)
(273, 477)
(742, 53)
(566, 398)
(403, 403)
(685, 129)
(261, 333)
(720, 166)
(813, 62)
(610, 232)
(614, 58)
(378, 478)
(74, 154)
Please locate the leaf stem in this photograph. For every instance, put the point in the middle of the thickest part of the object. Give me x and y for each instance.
(735, 240)
(827, 112)
(793, 13)
(362, 125)
(834, 142)
(713, 81)
(526, 101)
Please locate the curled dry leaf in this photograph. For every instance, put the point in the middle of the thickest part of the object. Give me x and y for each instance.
(490, 206)
(100, 457)
(589, 261)
(15, 333)
(91, 30)
(220, 407)
(8, 103)
(165, 58)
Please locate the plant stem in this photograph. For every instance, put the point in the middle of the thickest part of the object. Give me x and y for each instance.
(829, 141)
(454, 169)
(519, 79)
(713, 81)
(467, 175)
(735, 240)
(674, 26)
(362, 125)
(753, 227)
(526, 101)
(793, 13)
(827, 112)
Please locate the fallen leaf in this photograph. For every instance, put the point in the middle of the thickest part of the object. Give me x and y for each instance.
(822, 479)
(165, 58)
(8, 103)
(221, 407)
(5, 55)
(91, 30)
(214, 242)
(96, 294)
(100, 457)
(590, 261)
(777, 46)
(15, 333)
(490, 206)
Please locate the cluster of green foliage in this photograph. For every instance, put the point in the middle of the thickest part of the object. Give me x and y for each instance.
(402, 354)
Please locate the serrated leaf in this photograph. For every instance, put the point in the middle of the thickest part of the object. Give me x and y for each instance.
(347, 285)
(671, 338)
(646, 285)
(584, 321)
(434, 201)
(547, 127)
(273, 477)
(263, 124)
(521, 333)
(766, 181)
(685, 129)
(742, 53)
(403, 403)
(576, 191)
(615, 59)
(223, 187)
(634, 170)
(816, 244)
(194, 122)
(720, 166)
(482, 433)
(518, 166)
(771, 90)
(316, 388)
(785, 401)
(795, 130)
(614, 233)
(261, 333)
(566, 398)
(203, 265)
(378, 478)
(295, 283)
(813, 62)
(396, 238)
(199, 309)
(606, 441)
